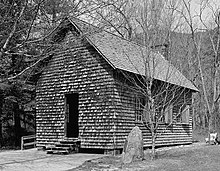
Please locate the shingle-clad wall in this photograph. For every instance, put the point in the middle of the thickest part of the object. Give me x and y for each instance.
(76, 67)
(106, 103)
(178, 133)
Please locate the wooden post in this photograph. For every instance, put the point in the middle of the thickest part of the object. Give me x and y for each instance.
(193, 113)
(22, 143)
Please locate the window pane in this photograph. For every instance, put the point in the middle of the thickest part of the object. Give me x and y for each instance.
(139, 108)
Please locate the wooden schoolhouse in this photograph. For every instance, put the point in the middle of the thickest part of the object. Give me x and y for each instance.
(84, 92)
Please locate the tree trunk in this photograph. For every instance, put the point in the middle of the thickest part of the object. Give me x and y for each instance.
(153, 155)
(210, 126)
(54, 16)
(17, 125)
(1, 106)
(193, 115)
(1, 123)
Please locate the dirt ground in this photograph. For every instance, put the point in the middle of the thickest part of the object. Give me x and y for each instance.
(34, 160)
(197, 157)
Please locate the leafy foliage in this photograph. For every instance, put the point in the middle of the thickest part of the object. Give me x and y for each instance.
(16, 114)
(25, 28)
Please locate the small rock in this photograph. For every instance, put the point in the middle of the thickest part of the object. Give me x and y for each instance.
(133, 147)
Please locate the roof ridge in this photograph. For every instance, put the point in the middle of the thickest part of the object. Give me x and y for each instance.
(130, 41)
(85, 22)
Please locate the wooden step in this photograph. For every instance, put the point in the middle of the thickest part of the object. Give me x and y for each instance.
(49, 147)
(58, 144)
(72, 139)
(61, 148)
(64, 146)
(57, 152)
(69, 141)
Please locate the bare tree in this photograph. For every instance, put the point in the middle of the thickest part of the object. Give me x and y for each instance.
(155, 98)
(208, 70)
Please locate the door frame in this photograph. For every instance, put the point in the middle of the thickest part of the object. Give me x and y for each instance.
(65, 113)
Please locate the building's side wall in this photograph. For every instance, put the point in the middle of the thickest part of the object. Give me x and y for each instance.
(76, 67)
(178, 133)
(125, 114)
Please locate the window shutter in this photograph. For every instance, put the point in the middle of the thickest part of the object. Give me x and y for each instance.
(185, 114)
(168, 114)
(146, 113)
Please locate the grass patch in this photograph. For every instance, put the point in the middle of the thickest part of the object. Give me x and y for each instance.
(187, 158)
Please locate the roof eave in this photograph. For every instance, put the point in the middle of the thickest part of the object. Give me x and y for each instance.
(90, 42)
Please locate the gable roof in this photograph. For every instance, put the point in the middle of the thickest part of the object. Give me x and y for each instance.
(126, 55)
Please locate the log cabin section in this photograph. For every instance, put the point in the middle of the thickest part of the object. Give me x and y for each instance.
(84, 92)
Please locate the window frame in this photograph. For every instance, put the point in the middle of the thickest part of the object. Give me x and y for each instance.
(140, 103)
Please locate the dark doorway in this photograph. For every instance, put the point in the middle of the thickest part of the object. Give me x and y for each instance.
(72, 114)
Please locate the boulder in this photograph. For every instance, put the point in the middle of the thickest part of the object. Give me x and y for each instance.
(133, 147)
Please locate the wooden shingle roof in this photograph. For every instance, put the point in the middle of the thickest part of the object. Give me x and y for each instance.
(126, 55)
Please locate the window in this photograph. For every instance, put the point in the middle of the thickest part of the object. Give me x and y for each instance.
(142, 113)
(159, 113)
(139, 108)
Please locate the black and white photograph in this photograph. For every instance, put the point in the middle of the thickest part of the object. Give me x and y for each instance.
(109, 85)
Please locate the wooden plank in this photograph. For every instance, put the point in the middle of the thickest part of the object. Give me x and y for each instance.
(28, 144)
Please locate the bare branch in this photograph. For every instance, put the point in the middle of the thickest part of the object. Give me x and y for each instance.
(29, 67)
(14, 27)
